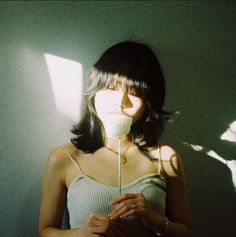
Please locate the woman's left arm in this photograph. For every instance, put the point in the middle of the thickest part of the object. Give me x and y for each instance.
(177, 205)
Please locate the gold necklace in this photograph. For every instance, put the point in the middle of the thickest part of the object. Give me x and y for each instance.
(123, 158)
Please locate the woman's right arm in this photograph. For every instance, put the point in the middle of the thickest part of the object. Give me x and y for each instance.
(54, 198)
(54, 201)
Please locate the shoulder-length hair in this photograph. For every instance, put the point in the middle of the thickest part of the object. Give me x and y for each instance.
(144, 78)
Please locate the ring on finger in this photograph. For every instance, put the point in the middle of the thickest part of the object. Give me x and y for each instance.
(133, 206)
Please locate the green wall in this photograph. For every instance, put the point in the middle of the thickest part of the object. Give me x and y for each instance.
(195, 41)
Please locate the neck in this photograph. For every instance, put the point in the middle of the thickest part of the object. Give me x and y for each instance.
(113, 142)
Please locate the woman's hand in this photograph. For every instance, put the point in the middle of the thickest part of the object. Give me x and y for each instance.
(130, 204)
(98, 225)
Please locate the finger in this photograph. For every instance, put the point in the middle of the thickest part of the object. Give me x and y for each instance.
(100, 217)
(100, 223)
(128, 213)
(93, 216)
(128, 204)
(123, 214)
(103, 223)
(123, 211)
(123, 197)
(96, 220)
(108, 227)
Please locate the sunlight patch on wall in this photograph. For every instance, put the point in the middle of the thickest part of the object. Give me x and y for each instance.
(230, 133)
(67, 85)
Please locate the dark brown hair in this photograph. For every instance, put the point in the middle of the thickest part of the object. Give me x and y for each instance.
(140, 66)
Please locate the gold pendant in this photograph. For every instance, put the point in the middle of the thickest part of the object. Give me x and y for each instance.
(122, 158)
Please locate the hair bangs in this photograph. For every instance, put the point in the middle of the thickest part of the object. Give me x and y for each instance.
(130, 86)
(100, 80)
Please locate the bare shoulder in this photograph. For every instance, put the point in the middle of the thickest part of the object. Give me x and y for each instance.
(56, 158)
(58, 162)
(170, 160)
(168, 153)
(59, 155)
(163, 152)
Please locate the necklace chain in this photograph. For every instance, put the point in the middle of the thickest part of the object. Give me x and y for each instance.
(122, 155)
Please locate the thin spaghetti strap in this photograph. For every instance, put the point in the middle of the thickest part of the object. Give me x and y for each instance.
(159, 164)
(73, 160)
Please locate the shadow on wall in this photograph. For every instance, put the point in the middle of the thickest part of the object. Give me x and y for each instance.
(230, 136)
(212, 186)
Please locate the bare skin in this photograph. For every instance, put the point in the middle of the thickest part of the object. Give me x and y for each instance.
(60, 172)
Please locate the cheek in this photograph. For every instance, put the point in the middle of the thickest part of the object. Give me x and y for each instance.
(138, 111)
(102, 103)
(98, 102)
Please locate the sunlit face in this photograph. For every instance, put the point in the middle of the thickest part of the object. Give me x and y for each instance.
(109, 102)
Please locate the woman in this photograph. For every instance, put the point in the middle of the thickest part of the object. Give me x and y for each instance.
(149, 197)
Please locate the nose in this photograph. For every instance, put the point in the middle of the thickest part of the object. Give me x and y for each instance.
(121, 99)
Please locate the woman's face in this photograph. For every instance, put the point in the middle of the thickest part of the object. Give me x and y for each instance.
(109, 102)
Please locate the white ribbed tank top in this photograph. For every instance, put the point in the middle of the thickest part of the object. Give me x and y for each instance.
(86, 195)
